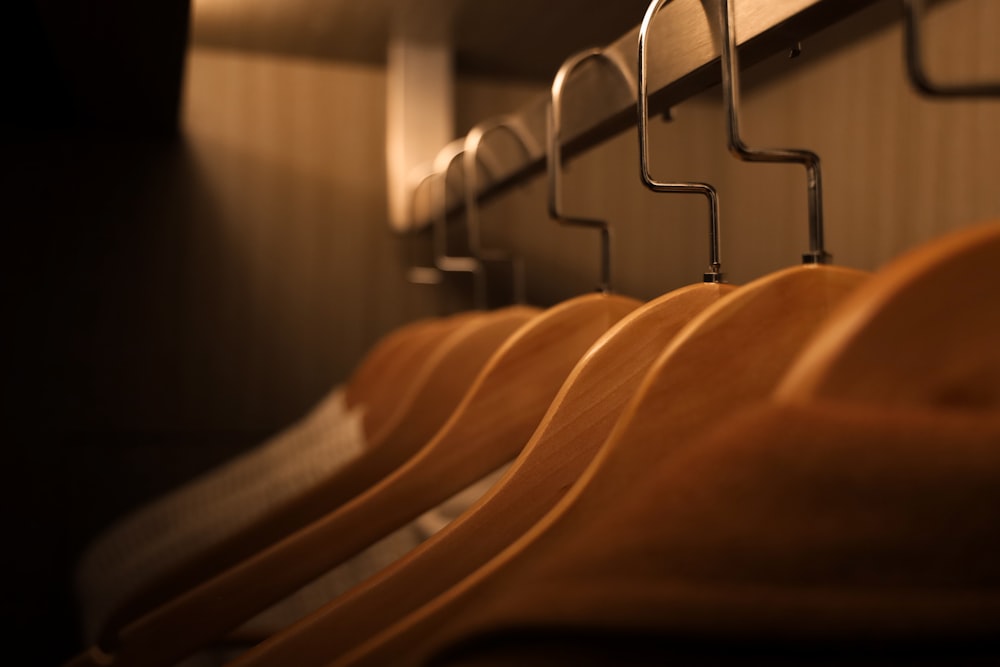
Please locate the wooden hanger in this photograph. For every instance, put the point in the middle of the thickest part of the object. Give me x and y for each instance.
(445, 377)
(878, 446)
(448, 369)
(908, 368)
(494, 420)
(927, 332)
(910, 361)
(577, 422)
(731, 355)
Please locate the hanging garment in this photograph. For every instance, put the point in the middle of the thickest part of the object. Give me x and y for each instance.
(202, 512)
(433, 387)
(568, 436)
(494, 420)
(196, 515)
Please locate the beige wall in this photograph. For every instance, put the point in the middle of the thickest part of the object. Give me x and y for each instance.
(292, 271)
(296, 273)
(291, 285)
(898, 169)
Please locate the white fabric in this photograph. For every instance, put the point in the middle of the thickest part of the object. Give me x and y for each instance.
(184, 522)
(367, 563)
(431, 522)
(199, 514)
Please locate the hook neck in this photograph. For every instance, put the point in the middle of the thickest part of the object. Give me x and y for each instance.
(713, 277)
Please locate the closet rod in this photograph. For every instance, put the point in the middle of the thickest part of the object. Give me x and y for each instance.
(683, 61)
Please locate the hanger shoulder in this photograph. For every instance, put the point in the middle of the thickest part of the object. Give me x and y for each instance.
(446, 373)
(569, 434)
(926, 330)
(593, 396)
(498, 414)
(732, 354)
(527, 372)
(363, 385)
(388, 372)
(493, 421)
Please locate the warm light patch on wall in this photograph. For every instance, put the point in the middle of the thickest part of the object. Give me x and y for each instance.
(322, 120)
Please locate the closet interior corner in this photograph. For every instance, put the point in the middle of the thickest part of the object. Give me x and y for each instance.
(389, 333)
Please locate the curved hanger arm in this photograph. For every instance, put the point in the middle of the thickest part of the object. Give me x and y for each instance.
(384, 377)
(924, 331)
(553, 151)
(714, 273)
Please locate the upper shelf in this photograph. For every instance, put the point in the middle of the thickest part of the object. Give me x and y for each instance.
(523, 39)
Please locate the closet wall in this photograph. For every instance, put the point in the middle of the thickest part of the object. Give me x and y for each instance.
(304, 276)
(299, 272)
(179, 296)
(92, 196)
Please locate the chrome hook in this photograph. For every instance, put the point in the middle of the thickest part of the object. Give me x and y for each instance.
(912, 10)
(515, 127)
(714, 274)
(730, 94)
(445, 262)
(421, 275)
(553, 153)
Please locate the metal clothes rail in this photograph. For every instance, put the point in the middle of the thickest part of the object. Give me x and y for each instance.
(683, 61)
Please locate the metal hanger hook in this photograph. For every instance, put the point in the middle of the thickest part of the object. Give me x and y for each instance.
(912, 11)
(470, 168)
(421, 275)
(553, 154)
(730, 93)
(445, 262)
(714, 274)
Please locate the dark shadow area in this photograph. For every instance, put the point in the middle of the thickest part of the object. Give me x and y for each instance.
(94, 166)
